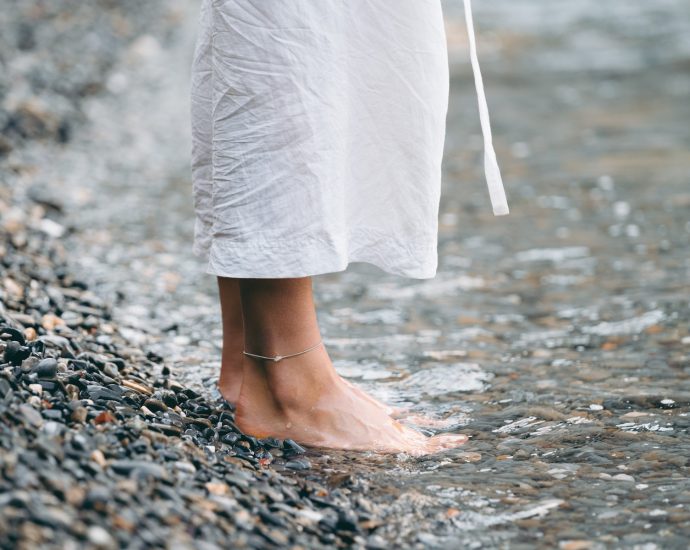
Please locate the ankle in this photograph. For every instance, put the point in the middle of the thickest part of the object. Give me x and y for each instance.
(297, 383)
(269, 343)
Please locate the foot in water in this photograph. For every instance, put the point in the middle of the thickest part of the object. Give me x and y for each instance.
(230, 383)
(402, 413)
(303, 398)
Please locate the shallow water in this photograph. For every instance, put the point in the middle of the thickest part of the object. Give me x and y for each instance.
(556, 337)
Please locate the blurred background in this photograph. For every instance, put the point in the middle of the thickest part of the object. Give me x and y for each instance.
(542, 328)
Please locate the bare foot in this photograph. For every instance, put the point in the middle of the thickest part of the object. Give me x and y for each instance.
(401, 413)
(230, 382)
(389, 409)
(306, 400)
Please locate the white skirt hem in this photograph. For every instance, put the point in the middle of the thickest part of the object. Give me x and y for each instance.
(299, 257)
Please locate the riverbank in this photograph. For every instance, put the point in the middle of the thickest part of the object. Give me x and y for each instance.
(101, 444)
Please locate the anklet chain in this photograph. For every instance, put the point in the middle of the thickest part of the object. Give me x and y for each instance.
(279, 357)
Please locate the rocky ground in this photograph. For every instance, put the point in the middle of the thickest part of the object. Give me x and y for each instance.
(100, 445)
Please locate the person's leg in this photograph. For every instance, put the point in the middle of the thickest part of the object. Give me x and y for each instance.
(230, 378)
(233, 339)
(303, 397)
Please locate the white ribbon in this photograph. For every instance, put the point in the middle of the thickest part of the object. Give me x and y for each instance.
(497, 194)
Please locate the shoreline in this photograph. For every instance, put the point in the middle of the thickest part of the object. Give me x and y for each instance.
(101, 444)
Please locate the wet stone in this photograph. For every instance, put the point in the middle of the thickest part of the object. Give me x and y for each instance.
(100, 538)
(15, 353)
(155, 405)
(5, 388)
(290, 446)
(100, 393)
(130, 467)
(52, 414)
(31, 415)
(13, 333)
(298, 464)
(167, 429)
(79, 414)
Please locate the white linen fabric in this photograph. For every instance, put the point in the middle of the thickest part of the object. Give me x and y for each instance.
(318, 129)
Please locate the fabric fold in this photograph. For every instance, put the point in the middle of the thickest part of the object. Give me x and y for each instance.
(318, 136)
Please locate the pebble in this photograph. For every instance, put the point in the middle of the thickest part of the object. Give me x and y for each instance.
(575, 545)
(31, 415)
(138, 466)
(136, 386)
(298, 464)
(623, 477)
(98, 457)
(79, 414)
(111, 370)
(100, 538)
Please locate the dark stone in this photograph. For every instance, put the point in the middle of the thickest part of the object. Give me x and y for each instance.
(328, 523)
(100, 393)
(50, 386)
(97, 498)
(31, 415)
(293, 448)
(347, 521)
(15, 353)
(273, 519)
(5, 388)
(230, 438)
(46, 368)
(155, 405)
(52, 414)
(298, 464)
(167, 429)
(271, 442)
(15, 334)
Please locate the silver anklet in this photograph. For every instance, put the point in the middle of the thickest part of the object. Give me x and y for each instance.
(279, 357)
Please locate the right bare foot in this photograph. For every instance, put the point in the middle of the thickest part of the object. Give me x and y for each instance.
(303, 398)
(401, 413)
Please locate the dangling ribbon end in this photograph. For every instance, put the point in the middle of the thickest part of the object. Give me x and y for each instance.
(499, 203)
(501, 210)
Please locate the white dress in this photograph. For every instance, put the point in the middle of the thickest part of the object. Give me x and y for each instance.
(318, 129)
